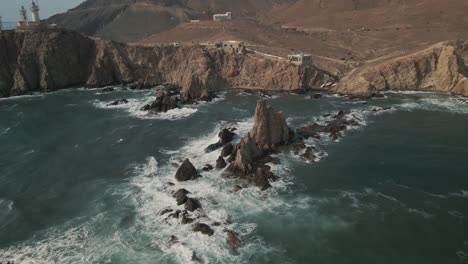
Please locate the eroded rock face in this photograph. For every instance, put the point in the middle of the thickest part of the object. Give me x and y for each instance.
(48, 60)
(247, 152)
(440, 68)
(270, 128)
(186, 172)
(269, 131)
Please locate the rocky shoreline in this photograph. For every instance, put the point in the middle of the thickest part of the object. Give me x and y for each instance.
(247, 159)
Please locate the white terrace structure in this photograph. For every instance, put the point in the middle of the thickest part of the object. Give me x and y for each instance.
(222, 17)
(300, 59)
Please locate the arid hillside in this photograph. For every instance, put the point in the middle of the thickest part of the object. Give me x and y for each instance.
(132, 20)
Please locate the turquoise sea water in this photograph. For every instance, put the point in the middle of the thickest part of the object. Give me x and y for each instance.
(84, 183)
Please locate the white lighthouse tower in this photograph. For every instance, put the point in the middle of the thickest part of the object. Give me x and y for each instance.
(35, 12)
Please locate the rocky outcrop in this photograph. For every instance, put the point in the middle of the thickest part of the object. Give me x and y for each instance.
(269, 132)
(270, 128)
(246, 153)
(203, 228)
(46, 60)
(220, 163)
(334, 128)
(225, 137)
(186, 172)
(441, 68)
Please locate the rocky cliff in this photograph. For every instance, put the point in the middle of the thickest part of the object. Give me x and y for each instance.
(47, 60)
(441, 68)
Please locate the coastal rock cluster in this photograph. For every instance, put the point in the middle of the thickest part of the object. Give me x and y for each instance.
(440, 68)
(247, 160)
(48, 60)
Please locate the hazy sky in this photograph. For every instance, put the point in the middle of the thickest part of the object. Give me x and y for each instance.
(9, 9)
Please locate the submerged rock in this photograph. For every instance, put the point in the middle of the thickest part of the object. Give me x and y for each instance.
(107, 90)
(233, 241)
(334, 128)
(192, 204)
(186, 172)
(207, 167)
(181, 196)
(203, 228)
(263, 177)
(118, 102)
(186, 220)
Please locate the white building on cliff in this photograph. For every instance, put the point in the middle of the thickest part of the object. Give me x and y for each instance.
(300, 59)
(222, 17)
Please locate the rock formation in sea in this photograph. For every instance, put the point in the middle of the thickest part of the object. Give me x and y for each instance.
(270, 128)
(269, 132)
(186, 172)
(48, 60)
(440, 68)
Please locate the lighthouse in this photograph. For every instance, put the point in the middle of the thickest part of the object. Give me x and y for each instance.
(35, 12)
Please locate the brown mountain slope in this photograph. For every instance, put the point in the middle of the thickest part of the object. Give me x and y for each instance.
(131, 20)
(347, 32)
(351, 14)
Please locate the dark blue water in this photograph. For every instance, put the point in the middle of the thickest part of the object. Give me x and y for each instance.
(84, 183)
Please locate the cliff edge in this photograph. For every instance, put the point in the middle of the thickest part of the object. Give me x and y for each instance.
(48, 60)
(440, 68)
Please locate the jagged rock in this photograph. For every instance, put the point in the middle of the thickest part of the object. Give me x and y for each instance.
(165, 211)
(233, 241)
(246, 154)
(146, 107)
(309, 155)
(207, 167)
(173, 240)
(181, 196)
(227, 150)
(270, 128)
(107, 90)
(237, 188)
(195, 258)
(334, 128)
(317, 96)
(118, 102)
(231, 158)
(176, 214)
(203, 228)
(192, 204)
(220, 163)
(186, 172)
(185, 219)
(163, 102)
(262, 178)
(213, 147)
(137, 86)
(225, 136)
(207, 96)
